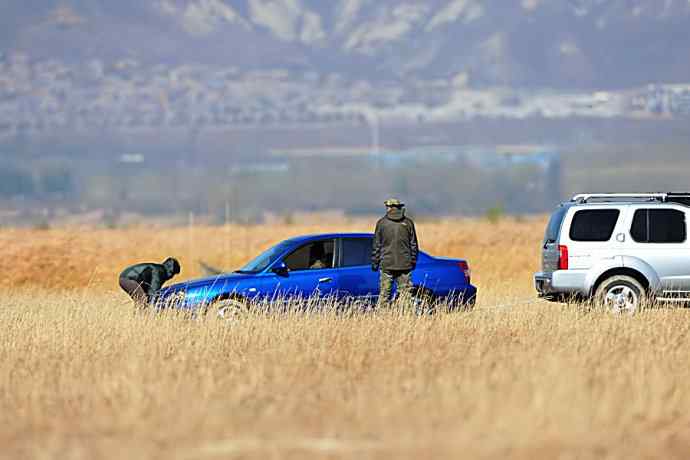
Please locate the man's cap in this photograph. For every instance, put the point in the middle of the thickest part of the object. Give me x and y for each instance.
(394, 203)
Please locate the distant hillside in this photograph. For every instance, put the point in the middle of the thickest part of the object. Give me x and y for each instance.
(527, 43)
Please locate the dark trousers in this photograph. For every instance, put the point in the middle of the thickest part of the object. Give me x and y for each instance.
(135, 291)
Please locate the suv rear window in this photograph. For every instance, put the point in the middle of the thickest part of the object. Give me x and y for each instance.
(554, 227)
(658, 226)
(593, 224)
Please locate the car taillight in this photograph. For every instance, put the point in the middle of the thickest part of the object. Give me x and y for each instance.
(562, 257)
(465, 267)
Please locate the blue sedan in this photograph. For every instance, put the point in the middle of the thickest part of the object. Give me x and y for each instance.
(329, 265)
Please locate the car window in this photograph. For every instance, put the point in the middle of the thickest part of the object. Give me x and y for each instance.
(593, 224)
(658, 226)
(311, 256)
(356, 252)
(639, 229)
(554, 227)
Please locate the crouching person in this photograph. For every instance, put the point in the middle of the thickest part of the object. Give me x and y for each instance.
(143, 281)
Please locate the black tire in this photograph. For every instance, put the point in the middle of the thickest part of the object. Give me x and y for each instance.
(620, 294)
(424, 301)
(468, 305)
(232, 310)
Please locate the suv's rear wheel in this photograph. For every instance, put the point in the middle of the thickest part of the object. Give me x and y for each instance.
(620, 294)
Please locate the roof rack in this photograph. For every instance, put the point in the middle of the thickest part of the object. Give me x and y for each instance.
(587, 197)
(673, 197)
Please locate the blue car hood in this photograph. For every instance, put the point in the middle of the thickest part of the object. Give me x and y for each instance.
(207, 282)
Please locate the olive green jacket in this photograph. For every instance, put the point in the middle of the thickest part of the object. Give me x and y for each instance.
(395, 243)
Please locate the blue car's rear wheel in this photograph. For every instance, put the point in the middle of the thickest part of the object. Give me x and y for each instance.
(424, 301)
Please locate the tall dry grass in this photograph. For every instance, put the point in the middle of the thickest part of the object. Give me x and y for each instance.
(82, 376)
(89, 379)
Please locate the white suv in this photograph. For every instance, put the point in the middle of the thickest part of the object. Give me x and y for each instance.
(619, 250)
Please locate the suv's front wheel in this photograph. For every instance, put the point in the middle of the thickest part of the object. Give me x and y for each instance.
(620, 294)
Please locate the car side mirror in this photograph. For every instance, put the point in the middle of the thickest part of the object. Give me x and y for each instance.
(281, 268)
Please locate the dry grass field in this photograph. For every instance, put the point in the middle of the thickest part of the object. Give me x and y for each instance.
(82, 376)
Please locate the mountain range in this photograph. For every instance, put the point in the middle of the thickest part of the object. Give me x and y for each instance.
(560, 44)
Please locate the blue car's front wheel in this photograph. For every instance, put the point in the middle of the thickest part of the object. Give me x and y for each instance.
(230, 310)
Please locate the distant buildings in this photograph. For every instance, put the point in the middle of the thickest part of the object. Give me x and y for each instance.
(679, 103)
(544, 160)
(668, 100)
(127, 95)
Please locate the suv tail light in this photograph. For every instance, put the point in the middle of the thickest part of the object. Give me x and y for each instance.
(465, 267)
(562, 257)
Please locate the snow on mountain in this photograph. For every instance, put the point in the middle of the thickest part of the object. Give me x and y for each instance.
(288, 20)
(389, 25)
(346, 13)
(202, 17)
(466, 10)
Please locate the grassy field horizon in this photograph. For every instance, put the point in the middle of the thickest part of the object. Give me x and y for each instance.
(83, 376)
(88, 258)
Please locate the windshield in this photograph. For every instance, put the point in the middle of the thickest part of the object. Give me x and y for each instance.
(265, 259)
(554, 227)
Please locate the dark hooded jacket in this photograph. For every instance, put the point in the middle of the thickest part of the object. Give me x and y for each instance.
(151, 276)
(395, 242)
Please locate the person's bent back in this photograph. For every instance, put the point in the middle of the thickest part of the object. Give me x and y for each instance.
(143, 281)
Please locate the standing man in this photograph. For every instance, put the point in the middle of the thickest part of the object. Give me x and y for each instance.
(143, 281)
(395, 252)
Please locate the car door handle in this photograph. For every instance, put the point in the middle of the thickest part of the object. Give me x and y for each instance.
(325, 280)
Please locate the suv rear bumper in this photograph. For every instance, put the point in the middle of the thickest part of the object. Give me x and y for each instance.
(543, 284)
(561, 282)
